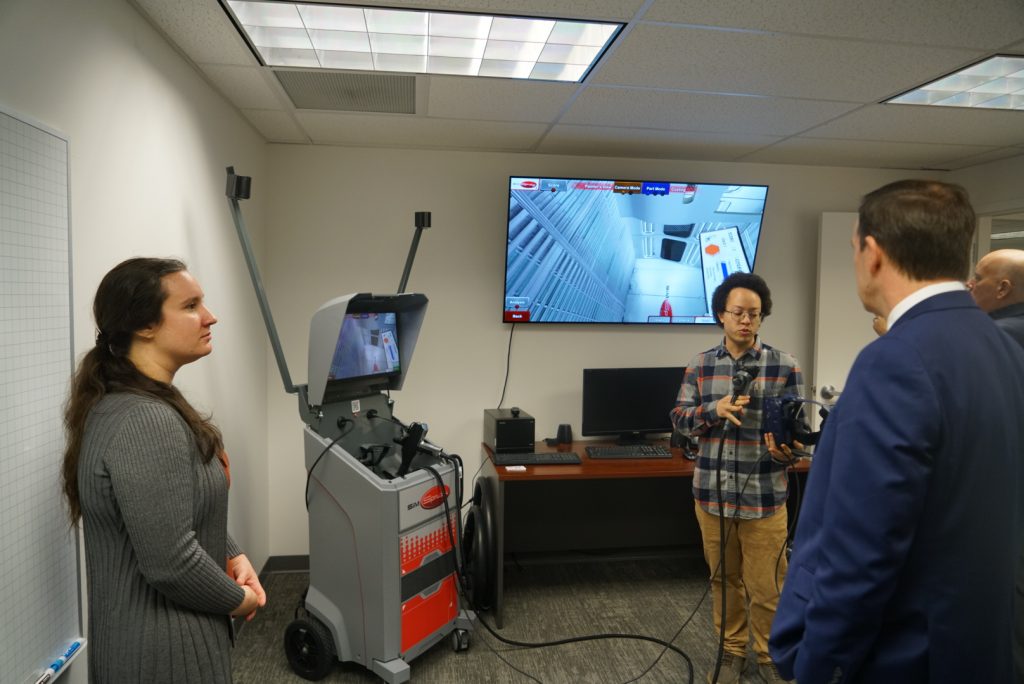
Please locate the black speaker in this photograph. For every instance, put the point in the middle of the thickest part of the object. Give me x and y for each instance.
(478, 552)
(564, 435)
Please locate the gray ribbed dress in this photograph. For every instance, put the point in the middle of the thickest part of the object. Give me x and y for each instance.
(156, 546)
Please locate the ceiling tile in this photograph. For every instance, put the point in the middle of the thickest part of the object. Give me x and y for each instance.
(917, 123)
(886, 155)
(496, 99)
(418, 132)
(981, 24)
(634, 108)
(246, 87)
(201, 29)
(773, 64)
(275, 126)
(646, 143)
(984, 158)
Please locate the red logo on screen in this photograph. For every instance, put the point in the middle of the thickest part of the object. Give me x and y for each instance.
(433, 497)
(527, 184)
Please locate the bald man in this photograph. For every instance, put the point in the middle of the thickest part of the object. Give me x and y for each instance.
(998, 288)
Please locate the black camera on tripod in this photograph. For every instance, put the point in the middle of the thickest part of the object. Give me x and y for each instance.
(783, 417)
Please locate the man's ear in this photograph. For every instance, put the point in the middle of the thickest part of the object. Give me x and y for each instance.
(1003, 288)
(874, 256)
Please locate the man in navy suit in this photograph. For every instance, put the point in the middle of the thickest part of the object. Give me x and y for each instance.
(998, 288)
(904, 557)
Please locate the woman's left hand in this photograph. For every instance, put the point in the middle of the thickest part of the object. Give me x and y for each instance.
(244, 575)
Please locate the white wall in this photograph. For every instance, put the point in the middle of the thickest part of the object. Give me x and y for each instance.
(341, 219)
(149, 140)
(995, 188)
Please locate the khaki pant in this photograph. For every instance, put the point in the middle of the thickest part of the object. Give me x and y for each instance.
(751, 553)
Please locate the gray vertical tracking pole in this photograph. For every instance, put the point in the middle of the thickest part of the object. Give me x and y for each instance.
(238, 187)
(422, 222)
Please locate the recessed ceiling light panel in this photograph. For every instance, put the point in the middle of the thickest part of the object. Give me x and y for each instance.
(375, 39)
(996, 83)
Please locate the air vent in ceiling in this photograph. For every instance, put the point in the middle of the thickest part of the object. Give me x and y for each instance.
(349, 92)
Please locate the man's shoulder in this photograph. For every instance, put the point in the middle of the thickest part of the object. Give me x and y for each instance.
(1009, 316)
(707, 357)
(779, 356)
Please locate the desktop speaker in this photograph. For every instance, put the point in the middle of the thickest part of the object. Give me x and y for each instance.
(508, 430)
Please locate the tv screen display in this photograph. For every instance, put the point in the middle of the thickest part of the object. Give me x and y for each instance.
(367, 346)
(625, 251)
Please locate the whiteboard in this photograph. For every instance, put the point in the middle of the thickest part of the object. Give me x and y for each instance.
(40, 612)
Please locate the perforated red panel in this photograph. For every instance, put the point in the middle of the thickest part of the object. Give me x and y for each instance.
(413, 548)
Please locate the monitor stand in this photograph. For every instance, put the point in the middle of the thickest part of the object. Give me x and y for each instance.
(631, 438)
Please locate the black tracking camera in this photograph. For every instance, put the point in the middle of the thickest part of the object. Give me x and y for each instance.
(783, 417)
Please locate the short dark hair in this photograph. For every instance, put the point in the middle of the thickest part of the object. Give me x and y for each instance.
(925, 227)
(748, 281)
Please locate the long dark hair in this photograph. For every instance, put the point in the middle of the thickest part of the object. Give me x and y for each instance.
(130, 298)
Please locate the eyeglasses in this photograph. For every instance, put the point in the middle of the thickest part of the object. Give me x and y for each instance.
(754, 316)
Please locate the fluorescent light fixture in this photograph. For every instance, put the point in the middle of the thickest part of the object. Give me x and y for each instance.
(1007, 236)
(413, 41)
(995, 83)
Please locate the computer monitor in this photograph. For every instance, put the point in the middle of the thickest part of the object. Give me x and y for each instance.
(629, 403)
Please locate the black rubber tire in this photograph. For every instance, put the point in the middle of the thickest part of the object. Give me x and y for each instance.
(310, 649)
(475, 563)
(460, 640)
(489, 538)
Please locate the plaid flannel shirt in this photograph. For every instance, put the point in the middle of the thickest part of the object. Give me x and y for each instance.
(752, 486)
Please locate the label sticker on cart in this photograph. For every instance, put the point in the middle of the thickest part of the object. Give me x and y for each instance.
(433, 497)
(354, 406)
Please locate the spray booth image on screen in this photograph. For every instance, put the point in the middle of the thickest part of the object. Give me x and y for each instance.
(615, 251)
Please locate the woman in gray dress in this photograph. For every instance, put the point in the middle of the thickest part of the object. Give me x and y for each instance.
(148, 477)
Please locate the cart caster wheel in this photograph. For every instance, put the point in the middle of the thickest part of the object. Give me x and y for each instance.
(460, 640)
(310, 649)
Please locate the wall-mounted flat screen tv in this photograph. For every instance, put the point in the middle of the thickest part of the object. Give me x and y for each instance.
(583, 250)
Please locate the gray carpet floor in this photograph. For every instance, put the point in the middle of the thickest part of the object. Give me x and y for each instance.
(543, 603)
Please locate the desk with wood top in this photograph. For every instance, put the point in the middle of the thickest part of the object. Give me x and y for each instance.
(598, 506)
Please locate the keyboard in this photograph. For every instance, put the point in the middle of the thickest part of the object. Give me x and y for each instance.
(629, 451)
(544, 458)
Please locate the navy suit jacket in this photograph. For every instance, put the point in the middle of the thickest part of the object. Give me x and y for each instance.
(904, 556)
(1011, 319)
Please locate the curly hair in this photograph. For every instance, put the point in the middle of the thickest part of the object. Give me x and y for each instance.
(748, 281)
